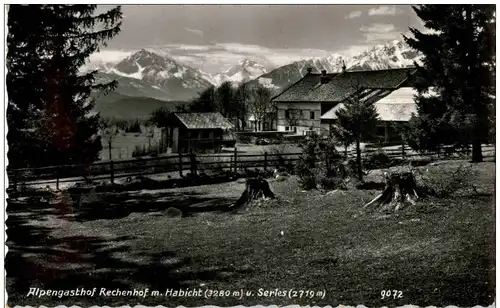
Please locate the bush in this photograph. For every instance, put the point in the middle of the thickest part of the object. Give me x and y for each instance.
(377, 160)
(246, 139)
(277, 153)
(320, 164)
(308, 182)
(444, 181)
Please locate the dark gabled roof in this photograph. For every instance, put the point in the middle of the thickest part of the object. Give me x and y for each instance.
(203, 120)
(301, 88)
(342, 85)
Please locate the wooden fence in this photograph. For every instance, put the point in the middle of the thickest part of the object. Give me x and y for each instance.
(181, 164)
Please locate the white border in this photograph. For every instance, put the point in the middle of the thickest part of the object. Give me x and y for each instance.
(3, 128)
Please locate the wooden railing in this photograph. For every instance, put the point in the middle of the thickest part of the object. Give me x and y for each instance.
(182, 163)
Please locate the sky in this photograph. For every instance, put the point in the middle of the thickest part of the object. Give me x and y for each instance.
(215, 37)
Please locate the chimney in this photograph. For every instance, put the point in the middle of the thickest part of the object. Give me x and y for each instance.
(324, 79)
(343, 67)
(309, 70)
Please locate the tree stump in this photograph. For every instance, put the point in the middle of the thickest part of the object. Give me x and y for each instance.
(400, 191)
(255, 188)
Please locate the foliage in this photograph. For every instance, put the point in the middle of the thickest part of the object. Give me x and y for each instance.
(446, 181)
(50, 100)
(224, 99)
(278, 153)
(458, 63)
(260, 105)
(135, 127)
(377, 160)
(356, 121)
(205, 102)
(241, 98)
(159, 117)
(319, 164)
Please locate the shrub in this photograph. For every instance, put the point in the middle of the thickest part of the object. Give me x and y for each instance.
(242, 138)
(377, 160)
(277, 153)
(320, 164)
(445, 181)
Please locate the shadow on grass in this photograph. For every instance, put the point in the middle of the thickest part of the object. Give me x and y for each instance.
(115, 206)
(37, 259)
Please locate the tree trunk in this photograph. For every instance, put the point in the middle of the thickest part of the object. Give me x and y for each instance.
(109, 148)
(255, 189)
(358, 161)
(477, 153)
(400, 189)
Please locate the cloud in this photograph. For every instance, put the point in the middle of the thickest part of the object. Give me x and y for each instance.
(380, 32)
(109, 56)
(377, 28)
(384, 10)
(353, 14)
(194, 31)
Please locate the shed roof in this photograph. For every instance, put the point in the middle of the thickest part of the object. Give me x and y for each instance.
(204, 120)
(342, 85)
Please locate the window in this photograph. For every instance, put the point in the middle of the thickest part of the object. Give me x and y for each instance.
(295, 129)
(287, 128)
(311, 115)
(287, 114)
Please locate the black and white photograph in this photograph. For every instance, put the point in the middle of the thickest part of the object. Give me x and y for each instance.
(250, 155)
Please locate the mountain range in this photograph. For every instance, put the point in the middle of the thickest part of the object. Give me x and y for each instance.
(146, 74)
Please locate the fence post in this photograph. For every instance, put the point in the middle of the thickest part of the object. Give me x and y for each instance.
(193, 163)
(57, 178)
(235, 159)
(403, 154)
(180, 164)
(265, 161)
(112, 171)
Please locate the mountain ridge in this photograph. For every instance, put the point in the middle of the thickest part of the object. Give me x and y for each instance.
(160, 77)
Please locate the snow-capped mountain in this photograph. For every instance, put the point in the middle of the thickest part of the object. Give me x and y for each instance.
(149, 74)
(393, 54)
(244, 71)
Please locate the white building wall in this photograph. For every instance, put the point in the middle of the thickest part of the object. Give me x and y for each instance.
(303, 121)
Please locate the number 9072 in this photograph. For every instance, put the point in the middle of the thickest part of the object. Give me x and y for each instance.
(394, 294)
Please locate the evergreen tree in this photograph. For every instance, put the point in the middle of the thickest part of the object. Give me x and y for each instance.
(458, 62)
(356, 122)
(49, 99)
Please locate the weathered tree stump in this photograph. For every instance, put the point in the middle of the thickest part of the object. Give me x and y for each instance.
(173, 212)
(400, 191)
(256, 188)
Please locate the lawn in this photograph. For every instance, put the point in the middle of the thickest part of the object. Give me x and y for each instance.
(441, 255)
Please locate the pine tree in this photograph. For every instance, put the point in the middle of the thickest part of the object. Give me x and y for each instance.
(49, 98)
(356, 122)
(458, 63)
